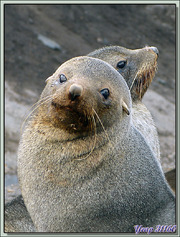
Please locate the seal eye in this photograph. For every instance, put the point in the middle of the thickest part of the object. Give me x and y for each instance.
(121, 64)
(62, 78)
(105, 93)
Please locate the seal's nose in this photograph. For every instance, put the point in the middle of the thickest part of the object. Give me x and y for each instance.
(155, 50)
(75, 91)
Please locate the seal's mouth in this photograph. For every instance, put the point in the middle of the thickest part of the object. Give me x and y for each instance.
(73, 119)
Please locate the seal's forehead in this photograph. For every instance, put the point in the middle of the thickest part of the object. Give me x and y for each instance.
(87, 65)
(109, 51)
(93, 69)
(71, 67)
(79, 63)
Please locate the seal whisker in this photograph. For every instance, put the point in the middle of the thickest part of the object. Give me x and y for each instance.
(102, 126)
(133, 81)
(39, 103)
(91, 124)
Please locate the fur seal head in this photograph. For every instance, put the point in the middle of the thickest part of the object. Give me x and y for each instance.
(77, 95)
(83, 108)
(137, 66)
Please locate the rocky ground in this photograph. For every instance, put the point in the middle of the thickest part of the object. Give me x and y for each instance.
(38, 38)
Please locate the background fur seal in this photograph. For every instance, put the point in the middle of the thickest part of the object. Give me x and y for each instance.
(137, 66)
(138, 69)
(85, 174)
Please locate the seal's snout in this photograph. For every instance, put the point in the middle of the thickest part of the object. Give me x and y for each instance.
(75, 91)
(155, 50)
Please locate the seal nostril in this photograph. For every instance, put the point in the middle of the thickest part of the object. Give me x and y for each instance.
(75, 91)
(155, 50)
(73, 96)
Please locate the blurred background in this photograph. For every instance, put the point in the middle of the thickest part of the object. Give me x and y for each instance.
(39, 38)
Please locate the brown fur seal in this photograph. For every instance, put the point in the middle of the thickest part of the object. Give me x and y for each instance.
(138, 69)
(81, 165)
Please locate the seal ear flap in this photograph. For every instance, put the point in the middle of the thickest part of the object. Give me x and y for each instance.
(125, 108)
(46, 81)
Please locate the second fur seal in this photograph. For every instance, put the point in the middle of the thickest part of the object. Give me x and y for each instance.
(138, 67)
(82, 165)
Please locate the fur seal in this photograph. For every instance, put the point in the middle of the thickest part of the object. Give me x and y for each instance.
(138, 68)
(81, 165)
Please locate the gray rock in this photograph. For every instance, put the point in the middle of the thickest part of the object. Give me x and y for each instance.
(48, 42)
